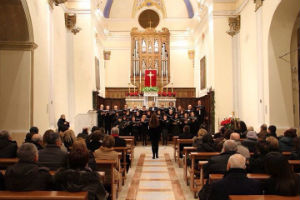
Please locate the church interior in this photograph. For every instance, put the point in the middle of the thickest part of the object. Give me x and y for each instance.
(225, 70)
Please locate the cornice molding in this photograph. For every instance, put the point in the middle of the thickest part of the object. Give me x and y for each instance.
(17, 45)
(229, 13)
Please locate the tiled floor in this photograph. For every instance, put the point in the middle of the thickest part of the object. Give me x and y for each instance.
(155, 179)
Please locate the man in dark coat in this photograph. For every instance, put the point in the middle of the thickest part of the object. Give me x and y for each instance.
(62, 124)
(217, 164)
(33, 130)
(26, 175)
(8, 148)
(235, 181)
(52, 156)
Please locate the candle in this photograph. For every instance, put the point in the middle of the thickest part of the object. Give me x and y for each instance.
(140, 79)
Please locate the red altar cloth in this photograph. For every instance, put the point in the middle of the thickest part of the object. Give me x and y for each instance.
(150, 78)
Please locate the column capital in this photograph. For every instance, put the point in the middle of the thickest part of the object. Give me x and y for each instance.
(234, 25)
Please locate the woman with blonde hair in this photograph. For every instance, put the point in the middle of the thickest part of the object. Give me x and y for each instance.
(68, 138)
(197, 139)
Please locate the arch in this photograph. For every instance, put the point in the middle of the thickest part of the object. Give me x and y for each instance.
(280, 69)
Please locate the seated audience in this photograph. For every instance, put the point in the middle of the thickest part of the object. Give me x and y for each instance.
(106, 152)
(251, 141)
(95, 139)
(33, 130)
(26, 175)
(263, 132)
(186, 133)
(273, 143)
(198, 139)
(242, 129)
(256, 164)
(217, 164)
(79, 177)
(119, 142)
(52, 156)
(272, 131)
(240, 148)
(206, 144)
(37, 140)
(8, 147)
(283, 180)
(287, 142)
(68, 137)
(235, 181)
(221, 133)
(84, 134)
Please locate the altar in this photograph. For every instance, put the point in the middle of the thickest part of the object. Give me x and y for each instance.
(147, 100)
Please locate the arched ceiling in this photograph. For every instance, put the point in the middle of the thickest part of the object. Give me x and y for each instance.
(127, 9)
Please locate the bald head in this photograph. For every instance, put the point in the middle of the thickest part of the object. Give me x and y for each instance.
(236, 161)
(235, 136)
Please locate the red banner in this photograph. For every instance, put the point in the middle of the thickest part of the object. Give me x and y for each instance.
(150, 78)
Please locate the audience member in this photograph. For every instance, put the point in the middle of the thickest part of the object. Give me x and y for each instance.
(242, 129)
(84, 134)
(217, 164)
(256, 164)
(26, 175)
(251, 141)
(95, 140)
(106, 152)
(206, 144)
(62, 124)
(240, 148)
(186, 133)
(119, 142)
(221, 133)
(273, 143)
(272, 131)
(52, 156)
(33, 130)
(198, 139)
(283, 180)
(68, 138)
(37, 140)
(78, 177)
(263, 132)
(8, 147)
(235, 181)
(288, 141)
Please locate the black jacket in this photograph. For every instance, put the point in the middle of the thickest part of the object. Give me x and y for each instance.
(1, 181)
(119, 142)
(250, 144)
(270, 187)
(8, 149)
(217, 164)
(235, 182)
(27, 176)
(76, 180)
(154, 134)
(52, 157)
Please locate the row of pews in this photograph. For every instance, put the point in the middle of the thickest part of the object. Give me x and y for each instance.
(190, 173)
(105, 168)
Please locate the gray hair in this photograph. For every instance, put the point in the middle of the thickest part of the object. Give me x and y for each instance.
(237, 161)
(235, 136)
(27, 152)
(229, 145)
(115, 130)
(4, 134)
(36, 138)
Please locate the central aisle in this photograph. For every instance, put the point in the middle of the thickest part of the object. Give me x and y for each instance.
(159, 179)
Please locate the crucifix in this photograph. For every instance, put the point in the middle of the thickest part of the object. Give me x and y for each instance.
(150, 75)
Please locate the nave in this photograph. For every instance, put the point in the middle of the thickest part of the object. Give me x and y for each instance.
(155, 178)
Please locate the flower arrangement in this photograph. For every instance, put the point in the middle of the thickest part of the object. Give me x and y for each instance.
(150, 89)
(230, 123)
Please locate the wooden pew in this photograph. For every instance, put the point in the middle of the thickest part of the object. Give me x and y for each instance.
(179, 142)
(123, 151)
(175, 146)
(262, 197)
(216, 177)
(186, 151)
(130, 142)
(198, 156)
(108, 167)
(5, 162)
(43, 195)
(293, 163)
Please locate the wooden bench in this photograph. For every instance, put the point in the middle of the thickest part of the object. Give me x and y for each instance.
(216, 177)
(186, 151)
(43, 195)
(175, 146)
(179, 142)
(192, 171)
(293, 163)
(130, 140)
(5, 162)
(262, 197)
(108, 167)
(123, 151)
